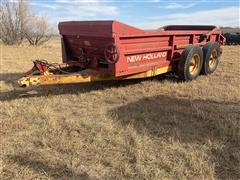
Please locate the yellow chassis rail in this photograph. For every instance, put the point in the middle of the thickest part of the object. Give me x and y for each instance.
(87, 75)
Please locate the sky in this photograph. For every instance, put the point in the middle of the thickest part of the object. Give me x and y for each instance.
(146, 14)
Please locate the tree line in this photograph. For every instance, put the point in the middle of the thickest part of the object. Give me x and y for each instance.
(232, 39)
(19, 22)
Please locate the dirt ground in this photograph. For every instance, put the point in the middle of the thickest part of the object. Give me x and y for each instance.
(138, 129)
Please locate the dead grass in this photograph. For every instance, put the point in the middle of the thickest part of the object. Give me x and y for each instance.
(118, 130)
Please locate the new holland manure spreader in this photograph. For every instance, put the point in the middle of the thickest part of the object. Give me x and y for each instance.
(110, 50)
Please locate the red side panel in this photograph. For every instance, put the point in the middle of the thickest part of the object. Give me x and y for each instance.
(86, 28)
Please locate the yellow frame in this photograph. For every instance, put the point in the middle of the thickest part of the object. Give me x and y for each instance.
(84, 76)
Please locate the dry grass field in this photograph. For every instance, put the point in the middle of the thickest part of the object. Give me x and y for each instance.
(138, 129)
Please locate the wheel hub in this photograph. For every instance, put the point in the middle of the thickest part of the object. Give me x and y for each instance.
(194, 64)
(213, 59)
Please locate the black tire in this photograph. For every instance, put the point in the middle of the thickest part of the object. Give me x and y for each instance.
(211, 57)
(191, 54)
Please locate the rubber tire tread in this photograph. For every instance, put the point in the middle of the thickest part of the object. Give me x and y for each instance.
(207, 49)
(183, 67)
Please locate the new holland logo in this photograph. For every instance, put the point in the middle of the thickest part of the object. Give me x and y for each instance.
(144, 57)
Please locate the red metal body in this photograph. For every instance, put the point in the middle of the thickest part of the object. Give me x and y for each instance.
(135, 50)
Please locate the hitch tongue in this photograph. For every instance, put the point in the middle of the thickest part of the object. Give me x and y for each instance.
(40, 67)
(27, 81)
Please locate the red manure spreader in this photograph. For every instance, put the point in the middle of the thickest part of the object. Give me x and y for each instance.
(111, 50)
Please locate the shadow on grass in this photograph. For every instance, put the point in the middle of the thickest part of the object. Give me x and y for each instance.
(39, 91)
(56, 171)
(10, 78)
(189, 121)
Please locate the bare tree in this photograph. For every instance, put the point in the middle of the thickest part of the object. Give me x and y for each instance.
(13, 18)
(17, 22)
(38, 30)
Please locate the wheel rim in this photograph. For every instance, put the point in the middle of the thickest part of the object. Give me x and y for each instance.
(213, 59)
(194, 64)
